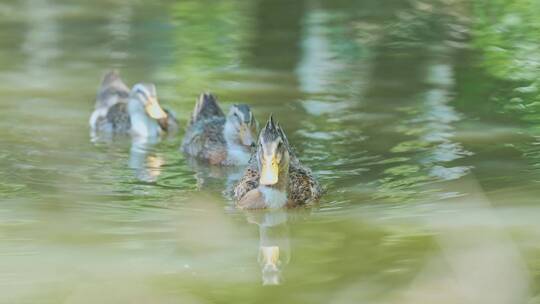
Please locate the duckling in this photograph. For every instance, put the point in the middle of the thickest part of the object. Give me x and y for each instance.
(275, 178)
(218, 139)
(136, 112)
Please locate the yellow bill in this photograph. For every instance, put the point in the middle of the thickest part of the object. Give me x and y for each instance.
(269, 258)
(154, 110)
(269, 172)
(270, 255)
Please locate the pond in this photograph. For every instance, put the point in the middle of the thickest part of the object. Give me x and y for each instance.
(420, 118)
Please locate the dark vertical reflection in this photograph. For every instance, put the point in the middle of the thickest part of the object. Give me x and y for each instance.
(394, 104)
(276, 35)
(413, 78)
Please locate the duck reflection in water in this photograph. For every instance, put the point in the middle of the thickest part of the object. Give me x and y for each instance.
(144, 161)
(215, 177)
(274, 245)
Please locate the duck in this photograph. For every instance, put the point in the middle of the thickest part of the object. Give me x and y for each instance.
(218, 139)
(274, 177)
(119, 110)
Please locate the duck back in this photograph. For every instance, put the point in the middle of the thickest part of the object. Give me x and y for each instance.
(205, 108)
(204, 137)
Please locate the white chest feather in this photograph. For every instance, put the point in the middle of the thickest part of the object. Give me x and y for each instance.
(236, 154)
(273, 198)
(143, 126)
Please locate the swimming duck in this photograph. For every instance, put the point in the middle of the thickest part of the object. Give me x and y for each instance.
(220, 139)
(275, 178)
(136, 112)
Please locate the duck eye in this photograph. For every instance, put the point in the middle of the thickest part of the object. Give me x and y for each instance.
(237, 116)
(142, 93)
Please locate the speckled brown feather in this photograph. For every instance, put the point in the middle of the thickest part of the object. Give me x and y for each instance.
(253, 199)
(117, 119)
(204, 139)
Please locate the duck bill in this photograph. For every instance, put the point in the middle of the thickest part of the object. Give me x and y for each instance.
(154, 110)
(269, 172)
(245, 136)
(270, 257)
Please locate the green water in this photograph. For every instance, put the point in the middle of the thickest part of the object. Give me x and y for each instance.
(420, 118)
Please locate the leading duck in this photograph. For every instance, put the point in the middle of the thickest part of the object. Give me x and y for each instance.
(275, 178)
(218, 139)
(137, 112)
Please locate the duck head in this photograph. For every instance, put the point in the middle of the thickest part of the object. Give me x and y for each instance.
(144, 111)
(143, 100)
(273, 156)
(241, 126)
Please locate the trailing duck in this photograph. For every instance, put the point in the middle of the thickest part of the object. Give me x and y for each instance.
(137, 112)
(218, 139)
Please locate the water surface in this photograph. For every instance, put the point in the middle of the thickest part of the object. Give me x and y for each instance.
(420, 118)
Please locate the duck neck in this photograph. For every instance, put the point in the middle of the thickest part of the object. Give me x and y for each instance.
(276, 196)
(141, 124)
(237, 154)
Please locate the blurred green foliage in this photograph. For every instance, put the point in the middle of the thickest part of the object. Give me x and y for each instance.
(507, 34)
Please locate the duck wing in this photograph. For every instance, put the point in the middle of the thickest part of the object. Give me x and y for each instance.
(252, 200)
(116, 121)
(249, 180)
(205, 140)
(304, 188)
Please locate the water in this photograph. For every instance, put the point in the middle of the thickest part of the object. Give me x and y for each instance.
(420, 118)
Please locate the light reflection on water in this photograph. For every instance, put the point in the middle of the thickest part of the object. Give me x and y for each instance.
(382, 101)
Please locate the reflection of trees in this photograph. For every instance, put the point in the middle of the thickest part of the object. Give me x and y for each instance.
(276, 35)
(398, 67)
(413, 75)
(506, 34)
(41, 39)
(119, 28)
(332, 73)
(208, 35)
